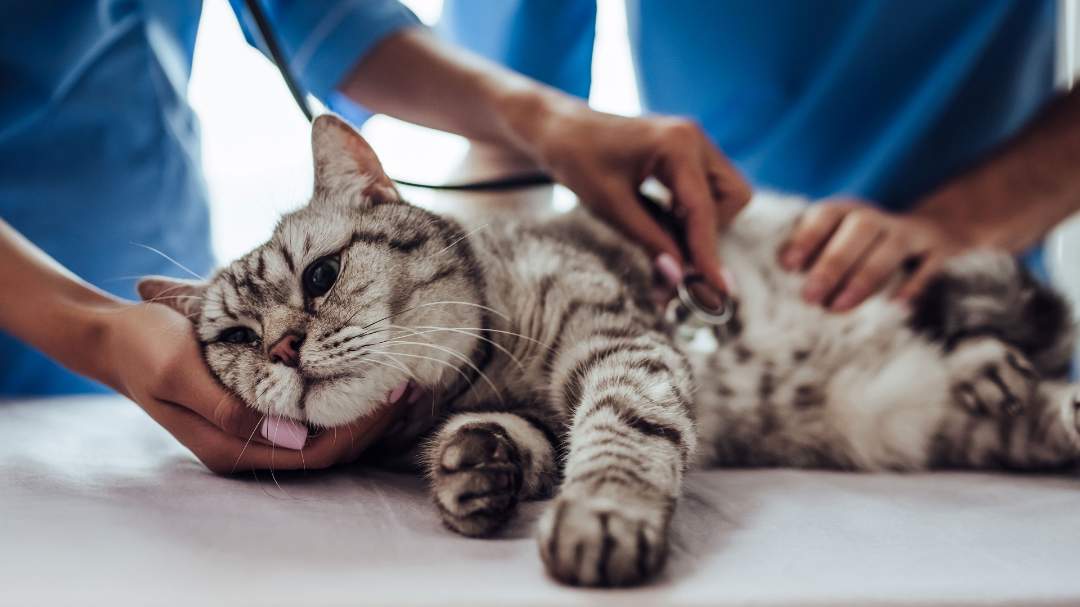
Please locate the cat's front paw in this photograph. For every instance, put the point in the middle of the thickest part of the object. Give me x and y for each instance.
(991, 378)
(476, 478)
(601, 541)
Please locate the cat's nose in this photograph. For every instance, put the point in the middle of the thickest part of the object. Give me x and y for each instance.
(287, 349)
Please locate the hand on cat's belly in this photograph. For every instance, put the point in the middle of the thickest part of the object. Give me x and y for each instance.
(156, 363)
(850, 250)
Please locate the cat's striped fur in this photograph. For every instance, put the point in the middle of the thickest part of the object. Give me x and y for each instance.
(539, 366)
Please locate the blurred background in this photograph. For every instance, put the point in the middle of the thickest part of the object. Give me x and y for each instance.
(255, 142)
(257, 156)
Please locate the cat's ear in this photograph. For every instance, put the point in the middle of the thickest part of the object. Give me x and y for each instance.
(184, 296)
(345, 165)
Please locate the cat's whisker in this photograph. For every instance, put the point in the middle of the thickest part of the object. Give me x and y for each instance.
(164, 297)
(403, 368)
(273, 452)
(466, 331)
(400, 366)
(428, 304)
(169, 259)
(463, 330)
(461, 238)
(348, 320)
(421, 356)
(303, 462)
(460, 356)
(248, 442)
(406, 333)
(467, 303)
(358, 336)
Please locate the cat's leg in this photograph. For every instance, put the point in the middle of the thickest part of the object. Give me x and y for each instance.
(989, 293)
(1045, 436)
(990, 377)
(631, 436)
(481, 464)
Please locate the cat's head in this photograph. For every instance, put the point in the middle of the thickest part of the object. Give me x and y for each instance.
(358, 299)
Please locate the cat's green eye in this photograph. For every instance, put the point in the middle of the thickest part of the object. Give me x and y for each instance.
(321, 275)
(238, 335)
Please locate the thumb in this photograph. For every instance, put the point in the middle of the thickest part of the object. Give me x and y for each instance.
(202, 395)
(691, 191)
(619, 205)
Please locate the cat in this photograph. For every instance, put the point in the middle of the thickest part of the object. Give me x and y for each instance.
(529, 360)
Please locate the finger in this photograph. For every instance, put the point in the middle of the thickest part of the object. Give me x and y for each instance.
(221, 452)
(691, 191)
(619, 206)
(811, 233)
(668, 269)
(226, 454)
(871, 274)
(851, 241)
(728, 186)
(189, 384)
(914, 286)
(347, 443)
(224, 411)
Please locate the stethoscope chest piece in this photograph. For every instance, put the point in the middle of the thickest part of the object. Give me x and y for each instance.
(697, 306)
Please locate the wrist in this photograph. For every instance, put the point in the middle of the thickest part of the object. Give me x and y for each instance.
(526, 113)
(93, 327)
(949, 212)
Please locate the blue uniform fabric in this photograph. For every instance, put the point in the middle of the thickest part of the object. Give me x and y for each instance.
(874, 98)
(100, 148)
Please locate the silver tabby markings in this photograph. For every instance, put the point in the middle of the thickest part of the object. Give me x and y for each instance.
(528, 362)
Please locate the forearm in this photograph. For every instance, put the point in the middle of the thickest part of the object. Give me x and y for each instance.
(49, 308)
(1016, 196)
(413, 76)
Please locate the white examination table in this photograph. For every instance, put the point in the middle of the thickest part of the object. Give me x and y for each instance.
(100, 506)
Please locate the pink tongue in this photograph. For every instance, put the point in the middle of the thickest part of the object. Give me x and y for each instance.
(284, 432)
(398, 392)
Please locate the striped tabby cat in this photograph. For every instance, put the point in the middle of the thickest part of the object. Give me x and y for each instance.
(528, 361)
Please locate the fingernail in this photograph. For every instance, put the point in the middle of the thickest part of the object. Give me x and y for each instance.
(668, 268)
(902, 299)
(792, 258)
(729, 282)
(395, 395)
(284, 432)
(843, 302)
(815, 290)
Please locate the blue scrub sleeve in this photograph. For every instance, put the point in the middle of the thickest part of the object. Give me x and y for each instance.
(547, 40)
(324, 39)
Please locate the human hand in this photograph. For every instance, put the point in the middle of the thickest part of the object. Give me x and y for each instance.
(605, 158)
(850, 249)
(155, 361)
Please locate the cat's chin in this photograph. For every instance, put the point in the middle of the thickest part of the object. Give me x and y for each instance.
(343, 400)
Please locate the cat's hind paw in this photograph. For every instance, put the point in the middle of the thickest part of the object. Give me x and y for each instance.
(601, 541)
(476, 478)
(991, 378)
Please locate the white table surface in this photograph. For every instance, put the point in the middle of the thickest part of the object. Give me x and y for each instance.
(100, 506)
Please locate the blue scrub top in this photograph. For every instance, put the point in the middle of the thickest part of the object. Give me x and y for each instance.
(877, 99)
(100, 148)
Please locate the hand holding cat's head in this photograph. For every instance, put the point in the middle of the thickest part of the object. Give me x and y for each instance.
(357, 300)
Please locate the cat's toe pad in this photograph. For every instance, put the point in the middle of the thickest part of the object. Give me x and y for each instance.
(595, 541)
(991, 378)
(476, 480)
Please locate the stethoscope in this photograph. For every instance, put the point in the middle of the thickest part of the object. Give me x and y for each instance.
(688, 312)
